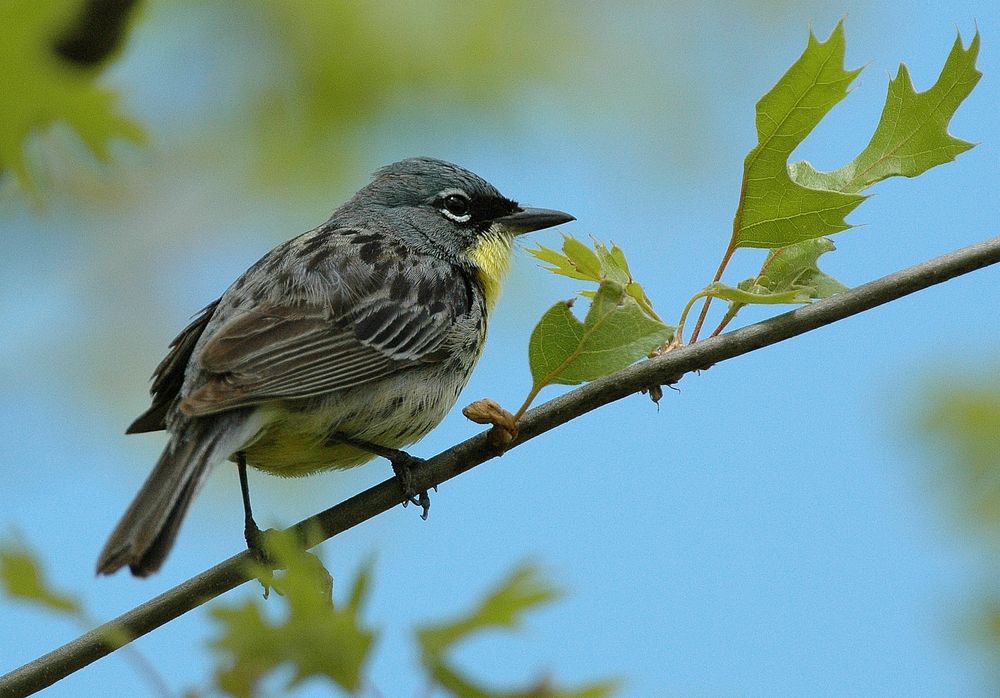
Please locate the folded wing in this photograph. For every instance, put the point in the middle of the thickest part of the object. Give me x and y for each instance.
(300, 351)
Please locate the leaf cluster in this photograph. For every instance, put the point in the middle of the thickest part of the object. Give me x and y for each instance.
(309, 637)
(620, 327)
(503, 608)
(318, 638)
(788, 209)
(39, 88)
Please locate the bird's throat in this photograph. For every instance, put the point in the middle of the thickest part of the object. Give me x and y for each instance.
(491, 257)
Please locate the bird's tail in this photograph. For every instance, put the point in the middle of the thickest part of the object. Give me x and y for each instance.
(146, 532)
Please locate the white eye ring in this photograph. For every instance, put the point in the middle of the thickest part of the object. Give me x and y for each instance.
(456, 206)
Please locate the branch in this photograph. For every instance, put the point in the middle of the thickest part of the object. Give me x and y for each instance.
(667, 368)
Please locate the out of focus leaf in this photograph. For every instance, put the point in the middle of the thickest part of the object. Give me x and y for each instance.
(991, 625)
(503, 608)
(38, 89)
(97, 32)
(966, 419)
(912, 135)
(960, 423)
(22, 578)
(315, 638)
(343, 63)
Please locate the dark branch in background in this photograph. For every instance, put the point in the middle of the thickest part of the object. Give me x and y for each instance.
(667, 368)
(96, 33)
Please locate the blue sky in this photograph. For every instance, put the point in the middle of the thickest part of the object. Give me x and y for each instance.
(775, 527)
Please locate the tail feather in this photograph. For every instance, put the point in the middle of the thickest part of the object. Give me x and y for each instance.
(147, 530)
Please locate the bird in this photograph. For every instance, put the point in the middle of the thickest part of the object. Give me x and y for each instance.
(347, 342)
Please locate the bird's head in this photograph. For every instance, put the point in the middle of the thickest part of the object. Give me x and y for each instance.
(444, 210)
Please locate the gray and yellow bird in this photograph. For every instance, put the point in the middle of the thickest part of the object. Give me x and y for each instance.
(351, 340)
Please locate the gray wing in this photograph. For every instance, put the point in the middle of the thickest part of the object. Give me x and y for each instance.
(305, 349)
(168, 378)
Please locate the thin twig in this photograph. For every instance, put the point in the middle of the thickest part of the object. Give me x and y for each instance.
(666, 368)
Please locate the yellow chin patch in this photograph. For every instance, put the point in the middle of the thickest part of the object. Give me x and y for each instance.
(491, 255)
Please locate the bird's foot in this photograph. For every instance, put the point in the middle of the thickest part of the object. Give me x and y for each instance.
(402, 465)
(258, 546)
(256, 542)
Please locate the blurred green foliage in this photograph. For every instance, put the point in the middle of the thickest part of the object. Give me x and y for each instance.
(322, 74)
(503, 608)
(348, 64)
(38, 89)
(964, 416)
(961, 425)
(315, 637)
(302, 629)
(22, 578)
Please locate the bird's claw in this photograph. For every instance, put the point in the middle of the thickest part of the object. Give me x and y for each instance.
(257, 543)
(402, 465)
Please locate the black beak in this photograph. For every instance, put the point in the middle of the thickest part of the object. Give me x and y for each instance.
(527, 220)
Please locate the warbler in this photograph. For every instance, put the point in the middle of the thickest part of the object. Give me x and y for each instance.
(351, 340)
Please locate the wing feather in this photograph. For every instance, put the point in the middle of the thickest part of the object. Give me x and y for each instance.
(300, 351)
(331, 309)
(169, 375)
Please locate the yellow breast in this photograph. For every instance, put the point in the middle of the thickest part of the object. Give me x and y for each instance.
(491, 255)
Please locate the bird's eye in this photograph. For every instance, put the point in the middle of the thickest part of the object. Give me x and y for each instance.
(456, 207)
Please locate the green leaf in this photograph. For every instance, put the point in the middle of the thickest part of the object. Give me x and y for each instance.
(615, 333)
(618, 258)
(315, 638)
(912, 134)
(796, 267)
(37, 90)
(614, 266)
(747, 294)
(250, 644)
(582, 258)
(577, 261)
(503, 608)
(554, 339)
(789, 275)
(582, 263)
(775, 211)
(21, 577)
(561, 264)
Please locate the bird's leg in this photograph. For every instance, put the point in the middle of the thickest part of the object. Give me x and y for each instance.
(402, 465)
(253, 534)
